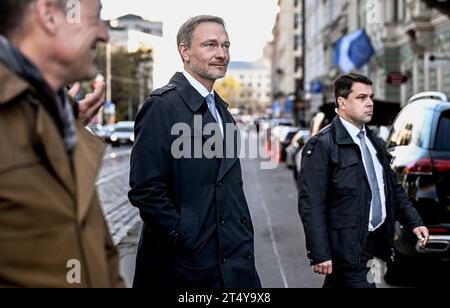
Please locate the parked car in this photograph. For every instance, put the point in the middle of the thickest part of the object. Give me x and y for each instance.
(286, 137)
(108, 130)
(258, 121)
(267, 128)
(420, 147)
(96, 129)
(318, 122)
(294, 148)
(123, 134)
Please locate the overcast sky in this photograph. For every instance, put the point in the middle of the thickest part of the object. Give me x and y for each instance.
(249, 24)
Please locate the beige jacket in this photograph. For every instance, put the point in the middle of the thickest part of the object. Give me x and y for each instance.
(49, 211)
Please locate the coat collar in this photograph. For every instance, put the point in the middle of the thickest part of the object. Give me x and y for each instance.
(188, 93)
(340, 133)
(193, 99)
(11, 85)
(77, 177)
(342, 136)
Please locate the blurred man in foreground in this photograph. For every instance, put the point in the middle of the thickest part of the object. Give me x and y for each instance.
(52, 230)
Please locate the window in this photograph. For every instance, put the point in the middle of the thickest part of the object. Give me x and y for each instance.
(298, 41)
(442, 142)
(298, 63)
(298, 20)
(409, 127)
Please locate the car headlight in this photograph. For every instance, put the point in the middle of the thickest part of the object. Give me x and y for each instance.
(113, 138)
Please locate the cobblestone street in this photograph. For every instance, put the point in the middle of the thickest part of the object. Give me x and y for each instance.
(123, 219)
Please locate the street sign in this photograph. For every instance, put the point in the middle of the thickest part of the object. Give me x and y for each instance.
(437, 60)
(396, 79)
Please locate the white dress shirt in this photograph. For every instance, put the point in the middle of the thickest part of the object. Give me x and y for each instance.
(203, 92)
(354, 131)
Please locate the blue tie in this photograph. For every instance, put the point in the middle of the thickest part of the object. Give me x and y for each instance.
(377, 213)
(212, 107)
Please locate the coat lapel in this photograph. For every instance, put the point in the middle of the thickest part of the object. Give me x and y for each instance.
(87, 159)
(197, 104)
(231, 139)
(55, 153)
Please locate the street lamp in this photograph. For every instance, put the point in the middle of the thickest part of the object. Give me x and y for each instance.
(114, 23)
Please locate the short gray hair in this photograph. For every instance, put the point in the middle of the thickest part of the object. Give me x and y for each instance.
(12, 14)
(187, 29)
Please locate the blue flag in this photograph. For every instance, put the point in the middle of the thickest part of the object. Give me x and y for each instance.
(353, 51)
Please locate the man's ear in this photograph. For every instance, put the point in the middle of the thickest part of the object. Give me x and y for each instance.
(341, 103)
(183, 49)
(48, 15)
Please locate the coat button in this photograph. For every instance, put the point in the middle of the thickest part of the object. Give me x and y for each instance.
(220, 184)
(223, 260)
(249, 256)
(244, 220)
(221, 221)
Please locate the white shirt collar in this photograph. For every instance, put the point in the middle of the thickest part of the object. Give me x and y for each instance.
(352, 129)
(197, 85)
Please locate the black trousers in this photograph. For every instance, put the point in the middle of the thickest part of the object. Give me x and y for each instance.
(357, 277)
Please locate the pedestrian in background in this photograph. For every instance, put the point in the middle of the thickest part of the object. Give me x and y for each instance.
(197, 228)
(349, 198)
(52, 229)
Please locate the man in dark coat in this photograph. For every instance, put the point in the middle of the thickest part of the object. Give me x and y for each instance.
(349, 198)
(197, 228)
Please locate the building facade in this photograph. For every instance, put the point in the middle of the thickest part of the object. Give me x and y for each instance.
(247, 86)
(403, 33)
(288, 56)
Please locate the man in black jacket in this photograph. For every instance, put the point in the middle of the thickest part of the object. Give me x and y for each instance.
(349, 199)
(197, 228)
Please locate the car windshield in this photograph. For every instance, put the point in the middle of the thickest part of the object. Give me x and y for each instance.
(124, 129)
(442, 142)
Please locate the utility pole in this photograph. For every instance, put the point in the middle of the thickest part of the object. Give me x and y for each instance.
(108, 72)
(141, 83)
(303, 89)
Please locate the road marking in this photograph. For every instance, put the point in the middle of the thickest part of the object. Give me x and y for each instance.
(272, 236)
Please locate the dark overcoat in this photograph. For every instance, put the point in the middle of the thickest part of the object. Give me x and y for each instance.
(197, 227)
(335, 198)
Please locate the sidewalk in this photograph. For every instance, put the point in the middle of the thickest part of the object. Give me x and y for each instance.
(127, 254)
